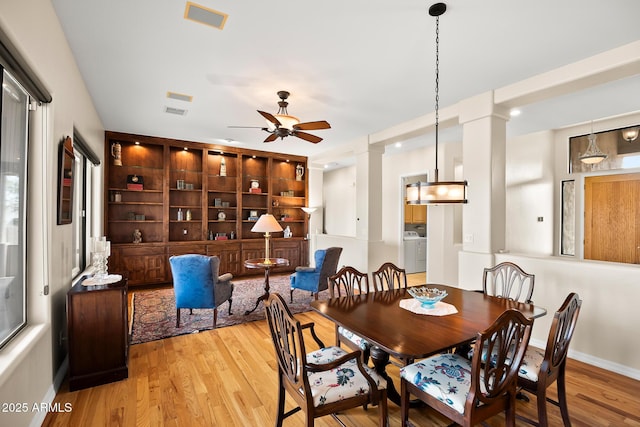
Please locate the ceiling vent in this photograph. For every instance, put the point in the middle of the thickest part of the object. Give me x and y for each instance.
(177, 111)
(179, 96)
(204, 15)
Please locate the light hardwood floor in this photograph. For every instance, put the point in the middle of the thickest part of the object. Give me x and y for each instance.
(227, 377)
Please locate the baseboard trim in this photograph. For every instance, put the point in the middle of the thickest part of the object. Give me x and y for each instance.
(596, 361)
(50, 395)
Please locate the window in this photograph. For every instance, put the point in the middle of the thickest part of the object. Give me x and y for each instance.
(13, 207)
(85, 163)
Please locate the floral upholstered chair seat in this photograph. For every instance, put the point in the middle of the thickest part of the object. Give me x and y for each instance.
(447, 377)
(531, 363)
(340, 383)
(356, 339)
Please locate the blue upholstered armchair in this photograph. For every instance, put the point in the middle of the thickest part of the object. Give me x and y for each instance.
(314, 279)
(196, 284)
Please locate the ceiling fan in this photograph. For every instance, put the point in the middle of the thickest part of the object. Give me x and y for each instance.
(281, 124)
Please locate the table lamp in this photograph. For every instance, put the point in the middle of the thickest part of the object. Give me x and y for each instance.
(266, 224)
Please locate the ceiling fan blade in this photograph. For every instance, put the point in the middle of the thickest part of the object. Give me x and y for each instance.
(322, 124)
(271, 138)
(247, 127)
(307, 136)
(270, 117)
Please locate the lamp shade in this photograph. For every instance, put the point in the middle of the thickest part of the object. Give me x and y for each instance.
(427, 193)
(309, 210)
(266, 224)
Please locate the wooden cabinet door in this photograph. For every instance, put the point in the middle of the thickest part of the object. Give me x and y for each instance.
(612, 218)
(415, 214)
(144, 264)
(419, 214)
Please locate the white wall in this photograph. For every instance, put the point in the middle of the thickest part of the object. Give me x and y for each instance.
(530, 194)
(29, 377)
(340, 201)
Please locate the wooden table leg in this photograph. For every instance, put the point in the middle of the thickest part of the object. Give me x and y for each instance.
(380, 359)
(264, 296)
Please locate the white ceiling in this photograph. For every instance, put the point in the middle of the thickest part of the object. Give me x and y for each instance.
(362, 65)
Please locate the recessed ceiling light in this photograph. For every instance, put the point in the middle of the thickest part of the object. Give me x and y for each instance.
(179, 96)
(398, 144)
(515, 112)
(204, 15)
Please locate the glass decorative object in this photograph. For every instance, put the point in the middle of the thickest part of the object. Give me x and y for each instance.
(101, 250)
(428, 297)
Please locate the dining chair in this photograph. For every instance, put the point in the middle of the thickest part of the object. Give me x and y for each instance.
(321, 382)
(541, 368)
(346, 282)
(314, 279)
(390, 275)
(508, 280)
(196, 284)
(468, 392)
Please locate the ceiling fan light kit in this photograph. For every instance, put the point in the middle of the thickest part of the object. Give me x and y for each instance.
(437, 192)
(282, 124)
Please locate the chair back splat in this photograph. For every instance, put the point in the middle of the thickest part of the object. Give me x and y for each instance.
(541, 368)
(345, 283)
(390, 275)
(321, 382)
(508, 280)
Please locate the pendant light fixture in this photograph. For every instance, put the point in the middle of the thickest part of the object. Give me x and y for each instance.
(436, 192)
(630, 134)
(593, 154)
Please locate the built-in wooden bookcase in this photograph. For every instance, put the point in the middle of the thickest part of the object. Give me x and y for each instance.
(222, 194)
(138, 206)
(198, 198)
(255, 193)
(185, 195)
(289, 194)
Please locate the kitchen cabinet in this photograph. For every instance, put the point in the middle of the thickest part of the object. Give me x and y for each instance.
(415, 214)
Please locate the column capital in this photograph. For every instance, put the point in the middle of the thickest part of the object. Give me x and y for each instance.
(481, 106)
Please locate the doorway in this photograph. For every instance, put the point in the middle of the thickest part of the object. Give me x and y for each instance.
(611, 218)
(414, 230)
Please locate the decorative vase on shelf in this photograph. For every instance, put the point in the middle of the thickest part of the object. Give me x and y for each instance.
(116, 152)
(299, 172)
(137, 236)
(287, 232)
(223, 167)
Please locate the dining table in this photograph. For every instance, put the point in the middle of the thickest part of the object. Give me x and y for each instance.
(407, 336)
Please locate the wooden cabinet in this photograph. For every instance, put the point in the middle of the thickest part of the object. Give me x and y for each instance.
(415, 214)
(198, 198)
(97, 331)
(145, 263)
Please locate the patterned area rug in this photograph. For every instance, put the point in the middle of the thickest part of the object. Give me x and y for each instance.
(154, 311)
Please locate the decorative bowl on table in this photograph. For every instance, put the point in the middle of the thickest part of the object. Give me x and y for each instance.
(428, 297)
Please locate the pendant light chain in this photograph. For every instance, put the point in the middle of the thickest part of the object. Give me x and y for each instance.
(437, 88)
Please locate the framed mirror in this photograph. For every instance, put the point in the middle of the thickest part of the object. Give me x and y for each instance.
(66, 164)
